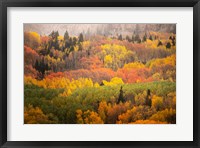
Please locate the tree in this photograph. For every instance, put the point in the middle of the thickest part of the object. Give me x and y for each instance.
(34, 116)
(120, 37)
(151, 38)
(159, 43)
(168, 45)
(32, 39)
(41, 66)
(144, 38)
(121, 96)
(54, 40)
(80, 47)
(128, 38)
(148, 101)
(67, 40)
(74, 41)
(133, 38)
(80, 38)
(66, 36)
(137, 38)
(157, 102)
(173, 41)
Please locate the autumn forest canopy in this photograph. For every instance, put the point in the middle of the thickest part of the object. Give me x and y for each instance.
(100, 74)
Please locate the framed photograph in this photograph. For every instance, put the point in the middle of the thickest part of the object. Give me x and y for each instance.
(104, 73)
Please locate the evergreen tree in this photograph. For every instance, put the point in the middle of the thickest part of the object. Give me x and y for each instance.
(71, 48)
(80, 38)
(74, 41)
(120, 37)
(137, 38)
(121, 96)
(151, 38)
(133, 38)
(128, 38)
(173, 41)
(54, 40)
(66, 40)
(144, 38)
(148, 100)
(168, 45)
(66, 36)
(159, 43)
(41, 67)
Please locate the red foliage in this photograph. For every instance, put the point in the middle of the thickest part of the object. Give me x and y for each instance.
(30, 56)
(30, 71)
(44, 39)
(53, 75)
(90, 63)
(97, 75)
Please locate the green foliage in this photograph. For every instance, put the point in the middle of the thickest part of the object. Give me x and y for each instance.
(64, 109)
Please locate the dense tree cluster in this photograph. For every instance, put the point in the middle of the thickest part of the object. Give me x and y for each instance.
(96, 79)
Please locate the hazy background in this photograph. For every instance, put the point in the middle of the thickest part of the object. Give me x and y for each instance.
(101, 29)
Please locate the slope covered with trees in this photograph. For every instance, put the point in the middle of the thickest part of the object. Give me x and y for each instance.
(96, 78)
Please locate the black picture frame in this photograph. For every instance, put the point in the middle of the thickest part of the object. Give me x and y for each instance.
(4, 4)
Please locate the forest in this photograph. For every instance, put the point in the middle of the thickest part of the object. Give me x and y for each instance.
(100, 74)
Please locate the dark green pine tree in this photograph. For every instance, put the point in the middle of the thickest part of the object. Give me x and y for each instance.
(121, 96)
(148, 100)
(151, 38)
(80, 38)
(128, 38)
(159, 43)
(66, 36)
(67, 40)
(168, 45)
(144, 38)
(137, 38)
(120, 37)
(174, 41)
(133, 38)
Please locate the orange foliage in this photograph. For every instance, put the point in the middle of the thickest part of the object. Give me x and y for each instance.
(55, 75)
(88, 117)
(148, 122)
(90, 63)
(34, 116)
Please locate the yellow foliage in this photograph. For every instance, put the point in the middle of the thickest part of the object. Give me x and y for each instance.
(113, 81)
(115, 56)
(134, 65)
(153, 44)
(60, 37)
(61, 82)
(32, 39)
(86, 44)
(167, 115)
(157, 102)
(170, 60)
(35, 35)
(108, 60)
